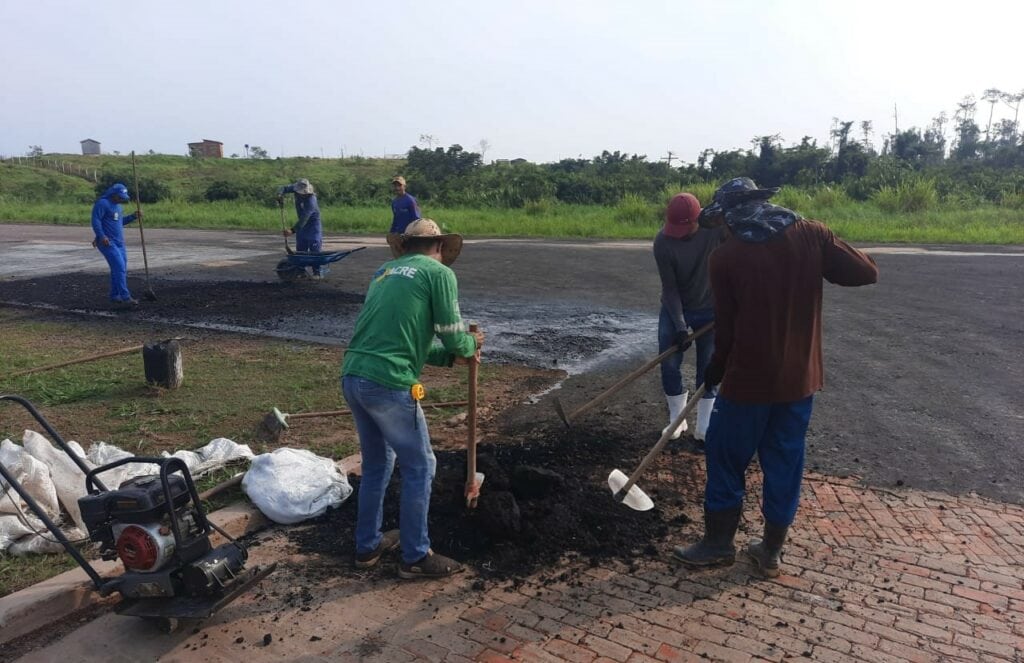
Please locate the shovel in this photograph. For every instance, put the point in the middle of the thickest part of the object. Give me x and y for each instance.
(474, 479)
(149, 295)
(284, 226)
(275, 422)
(624, 489)
(567, 419)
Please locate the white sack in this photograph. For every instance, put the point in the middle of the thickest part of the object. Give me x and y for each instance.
(11, 530)
(292, 485)
(102, 453)
(216, 454)
(68, 479)
(34, 478)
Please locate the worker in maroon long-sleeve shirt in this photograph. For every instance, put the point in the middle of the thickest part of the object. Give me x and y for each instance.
(767, 284)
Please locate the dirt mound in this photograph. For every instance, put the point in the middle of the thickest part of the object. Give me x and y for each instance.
(543, 500)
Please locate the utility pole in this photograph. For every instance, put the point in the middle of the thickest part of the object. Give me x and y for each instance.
(896, 118)
(669, 158)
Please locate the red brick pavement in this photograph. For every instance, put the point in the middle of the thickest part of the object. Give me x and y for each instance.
(869, 575)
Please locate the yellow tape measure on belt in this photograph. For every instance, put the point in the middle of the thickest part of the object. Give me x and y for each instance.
(418, 392)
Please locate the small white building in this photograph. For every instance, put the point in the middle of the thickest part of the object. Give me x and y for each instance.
(90, 146)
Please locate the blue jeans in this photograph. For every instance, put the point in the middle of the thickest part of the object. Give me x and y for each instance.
(672, 368)
(391, 424)
(775, 432)
(117, 258)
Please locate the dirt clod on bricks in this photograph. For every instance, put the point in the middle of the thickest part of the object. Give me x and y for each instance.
(545, 499)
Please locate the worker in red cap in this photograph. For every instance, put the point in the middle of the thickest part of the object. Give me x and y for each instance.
(682, 249)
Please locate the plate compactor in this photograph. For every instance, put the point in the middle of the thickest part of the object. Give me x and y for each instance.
(156, 526)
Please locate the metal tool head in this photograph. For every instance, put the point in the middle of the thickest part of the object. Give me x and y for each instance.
(635, 499)
(272, 425)
(473, 490)
(561, 412)
(281, 417)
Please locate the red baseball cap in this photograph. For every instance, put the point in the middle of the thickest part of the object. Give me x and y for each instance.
(681, 216)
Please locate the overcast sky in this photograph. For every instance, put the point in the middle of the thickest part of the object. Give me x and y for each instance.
(537, 79)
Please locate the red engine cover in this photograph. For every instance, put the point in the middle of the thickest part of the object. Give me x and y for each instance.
(137, 549)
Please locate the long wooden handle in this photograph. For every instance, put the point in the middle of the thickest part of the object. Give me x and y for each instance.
(618, 386)
(221, 487)
(662, 441)
(138, 217)
(284, 226)
(113, 353)
(471, 418)
(340, 413)
(82, 360)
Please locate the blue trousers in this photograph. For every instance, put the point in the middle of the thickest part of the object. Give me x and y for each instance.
(117, 258)
(313, 243)
(775, 432)
(391, 425)
(672, 368)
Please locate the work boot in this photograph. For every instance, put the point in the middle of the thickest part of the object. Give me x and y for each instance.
(716, 548)
(388, 542)
(675, 406)
(767, 552)
(704, 408)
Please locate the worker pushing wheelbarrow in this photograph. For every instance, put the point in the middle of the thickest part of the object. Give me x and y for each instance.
(309, 260)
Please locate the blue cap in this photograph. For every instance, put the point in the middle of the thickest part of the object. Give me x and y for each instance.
(118, 189)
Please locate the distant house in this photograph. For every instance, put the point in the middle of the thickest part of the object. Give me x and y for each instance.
(207, 148)
(90, 146)
(516, 162)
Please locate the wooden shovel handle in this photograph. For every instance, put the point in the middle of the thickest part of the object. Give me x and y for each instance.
(629, 379)
(474, 366)
(665, 436)
(341, 413)
(138, 217)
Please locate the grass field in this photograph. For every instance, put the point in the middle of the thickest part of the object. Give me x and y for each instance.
(38, 195)
(230, 383)
(860, 222)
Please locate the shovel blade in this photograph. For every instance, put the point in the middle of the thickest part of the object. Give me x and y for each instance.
(281, 417)
(635, 499)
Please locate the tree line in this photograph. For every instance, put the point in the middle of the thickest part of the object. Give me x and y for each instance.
(958, 157)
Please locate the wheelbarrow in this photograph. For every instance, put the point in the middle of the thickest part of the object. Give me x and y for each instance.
(293, 266)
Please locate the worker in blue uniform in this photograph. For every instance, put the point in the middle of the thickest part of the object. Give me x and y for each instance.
(108, 221)
(309, 233)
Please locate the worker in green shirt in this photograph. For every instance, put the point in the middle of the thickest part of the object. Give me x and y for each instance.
(410, 301)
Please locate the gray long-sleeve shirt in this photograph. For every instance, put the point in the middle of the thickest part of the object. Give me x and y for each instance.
(683, 267)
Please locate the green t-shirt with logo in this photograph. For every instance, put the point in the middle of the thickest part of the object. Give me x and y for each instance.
(410, 301)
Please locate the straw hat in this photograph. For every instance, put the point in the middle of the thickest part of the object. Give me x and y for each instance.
(452, 246)
(303, 187)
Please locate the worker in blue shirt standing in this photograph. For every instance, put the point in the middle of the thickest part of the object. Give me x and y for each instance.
(108, 221)
(309, 233)
(404, 210)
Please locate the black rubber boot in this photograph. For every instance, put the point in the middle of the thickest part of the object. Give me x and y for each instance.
(767, 552)
(716, 548)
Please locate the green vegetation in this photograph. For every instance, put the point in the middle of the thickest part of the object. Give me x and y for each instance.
(855, 221)
(910, 193)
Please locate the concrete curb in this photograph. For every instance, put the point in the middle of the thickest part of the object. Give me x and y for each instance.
(52, 599)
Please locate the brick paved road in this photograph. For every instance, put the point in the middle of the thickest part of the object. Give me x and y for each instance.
(870, 575)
